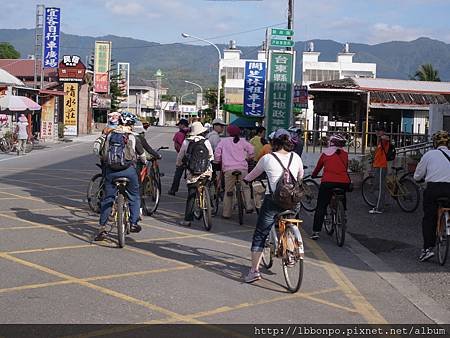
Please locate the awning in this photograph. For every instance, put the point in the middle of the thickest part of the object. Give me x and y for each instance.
(10, 80)
(17, 103)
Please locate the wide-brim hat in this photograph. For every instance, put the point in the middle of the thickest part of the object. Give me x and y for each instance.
(218, 121)
(197, 129)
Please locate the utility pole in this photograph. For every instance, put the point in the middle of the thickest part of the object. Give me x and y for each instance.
(290, 19)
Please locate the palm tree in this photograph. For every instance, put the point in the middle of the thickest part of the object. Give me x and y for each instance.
(426, 72)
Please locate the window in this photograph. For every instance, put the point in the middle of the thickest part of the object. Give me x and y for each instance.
(318, 75)
(233, 72)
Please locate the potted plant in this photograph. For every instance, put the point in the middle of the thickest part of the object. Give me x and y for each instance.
(413, 160)
(356, 173)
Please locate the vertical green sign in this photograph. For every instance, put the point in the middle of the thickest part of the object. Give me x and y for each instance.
(280, 90)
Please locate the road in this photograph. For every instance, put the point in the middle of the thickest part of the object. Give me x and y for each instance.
(52, 273)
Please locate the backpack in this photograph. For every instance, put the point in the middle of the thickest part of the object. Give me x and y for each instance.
(288, 192)
(118, 152)
(196, 159)
(99, 143)
(391, 153)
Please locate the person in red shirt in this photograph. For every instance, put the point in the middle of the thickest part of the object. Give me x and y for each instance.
(334, 161)
(178, 140)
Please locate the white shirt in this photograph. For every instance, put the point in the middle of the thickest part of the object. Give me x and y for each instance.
(213, 138)
(273, 169)
(434, 166)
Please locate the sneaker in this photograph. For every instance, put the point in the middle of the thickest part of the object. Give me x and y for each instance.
(135, 228)
(426, 254)
(101, 236)
(171, 192)
(315, 236)
(375, 211)
(252, 276)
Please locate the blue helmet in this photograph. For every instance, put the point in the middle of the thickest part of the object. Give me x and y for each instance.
(127, 118)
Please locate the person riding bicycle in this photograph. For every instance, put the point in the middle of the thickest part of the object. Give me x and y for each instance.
(434, 167)
(178, 140)
(233, 152)
(256, 140)
(139, 131)
(282, 151)
(334, 161)
(195, 155)
(120, 155)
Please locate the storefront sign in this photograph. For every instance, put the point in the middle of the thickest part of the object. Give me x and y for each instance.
(70, 109)
(254, 85)
(301, 97)
(47, 117)
(123, 69)
(279, 105)
(71, 69)
(102, 62)
(51, 37)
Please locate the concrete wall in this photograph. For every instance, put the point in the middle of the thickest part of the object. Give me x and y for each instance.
(437, 113)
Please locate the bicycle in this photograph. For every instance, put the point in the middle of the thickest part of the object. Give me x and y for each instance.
(202, 204)
(288, 246)
(335, 220)
(404, 190)
(150, 179)
(240, 197)
(311, 190)
(5, 145)
(95, 191)
(120, 210)
(443, 229)
(216, 189)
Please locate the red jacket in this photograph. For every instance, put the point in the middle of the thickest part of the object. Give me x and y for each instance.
(334, 168)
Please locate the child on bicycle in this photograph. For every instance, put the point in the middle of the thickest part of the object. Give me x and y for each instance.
(334, 161)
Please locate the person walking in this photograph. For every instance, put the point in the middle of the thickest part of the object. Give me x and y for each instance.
(380, 166)
(178, 140)
(434, 167)
(233, 152)
(22, 134)
(256, 141)
(214, 135)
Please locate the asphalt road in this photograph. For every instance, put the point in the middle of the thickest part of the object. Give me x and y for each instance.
(52, 273)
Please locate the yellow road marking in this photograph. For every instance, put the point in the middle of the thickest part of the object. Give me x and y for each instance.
(22, 197)
(35, 286)
(33, 223)
(332, 304)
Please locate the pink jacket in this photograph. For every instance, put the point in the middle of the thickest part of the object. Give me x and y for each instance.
(233, 155)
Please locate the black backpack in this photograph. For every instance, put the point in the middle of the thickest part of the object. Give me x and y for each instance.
(391, 153)
(288, 192)
(196, 159)
(117, 153)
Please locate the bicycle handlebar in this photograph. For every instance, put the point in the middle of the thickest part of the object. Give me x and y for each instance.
(162, 148)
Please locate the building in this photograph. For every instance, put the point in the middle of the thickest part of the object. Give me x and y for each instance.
(314, 71)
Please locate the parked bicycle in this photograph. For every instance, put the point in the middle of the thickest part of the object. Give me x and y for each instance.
(5, 145)
(335, 220)
(443, 229)
(402, 189)
(95, 191)
(202, 204)
(287, 245)
(150, 179)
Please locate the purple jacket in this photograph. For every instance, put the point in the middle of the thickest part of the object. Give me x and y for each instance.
(233, 155)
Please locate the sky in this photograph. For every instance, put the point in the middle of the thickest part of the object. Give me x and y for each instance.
(163, 21)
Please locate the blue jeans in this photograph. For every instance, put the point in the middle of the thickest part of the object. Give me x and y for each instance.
(134, 198)
(265, 222)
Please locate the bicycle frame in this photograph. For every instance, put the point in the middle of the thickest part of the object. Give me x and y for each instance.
(446, 212)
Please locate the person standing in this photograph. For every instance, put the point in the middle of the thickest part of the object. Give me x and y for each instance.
(434, 167)
(22, 134)
(380, 166)
(178, 140)
(256, 141)
(214, 135)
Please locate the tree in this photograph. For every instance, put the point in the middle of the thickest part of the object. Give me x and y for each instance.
(115, 91)
(7, 51)
(426, 72)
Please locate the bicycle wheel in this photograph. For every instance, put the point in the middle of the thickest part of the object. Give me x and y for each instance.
(341, 223)
(268, 251)
(328, 221)
(240, 203)
(215, 199)
(151, 194)
(95, 192)
(370, 191)
(309, 201)
(29, 146)
(206, 209)
(120, 219)
(442, 241)
(292, 261)
(409, 195)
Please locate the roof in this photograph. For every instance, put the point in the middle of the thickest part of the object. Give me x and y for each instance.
(24, 67)
(8, 79)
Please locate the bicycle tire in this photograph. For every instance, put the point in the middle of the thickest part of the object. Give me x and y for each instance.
(95, 192)
(151, 194)
(414, 192)
(328, 221)
(289, 269)
(369, 191)
(311, 194)
(206, 209)
(442, 242)
(240, 203)
(120, 219)
(269, 250)
(341, 223)
(216, 200)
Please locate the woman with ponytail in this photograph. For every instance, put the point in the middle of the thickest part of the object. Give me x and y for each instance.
(233, 152)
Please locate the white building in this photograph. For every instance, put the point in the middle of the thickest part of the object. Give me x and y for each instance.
(314, 71)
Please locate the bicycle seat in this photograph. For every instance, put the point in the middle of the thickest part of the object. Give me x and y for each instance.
(338, 191)
(397, 168)
(236, 173)
(443, 201)
(121, 180)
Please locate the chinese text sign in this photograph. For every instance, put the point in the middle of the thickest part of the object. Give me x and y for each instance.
(254, 86)
(51, 37)
(102, 62)
(70, 109)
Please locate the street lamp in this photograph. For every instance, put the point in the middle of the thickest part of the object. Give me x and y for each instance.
(201, 91)
(184, 35)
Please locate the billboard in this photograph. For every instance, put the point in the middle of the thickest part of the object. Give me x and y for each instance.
(47, 118)
(102, 63)
(70, 109)
(300, 96)
(123, 70)
(254, 86)
(71, 69)
(51, 37)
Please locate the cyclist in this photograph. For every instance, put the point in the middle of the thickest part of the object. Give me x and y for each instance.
(297, 139)
(283, 149)
(214, 135)
(233, 152)
(380, 165)
(194, 147)
(434, 167)
(178, 140)
(334, 161)
(256, 141)
(139, 131)
(131, 151)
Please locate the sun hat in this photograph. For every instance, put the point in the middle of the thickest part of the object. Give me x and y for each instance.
(218, 121)
(22, 118)
(197, 129)
(233, 130)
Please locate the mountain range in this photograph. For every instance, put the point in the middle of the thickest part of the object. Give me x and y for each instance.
(179, 62)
